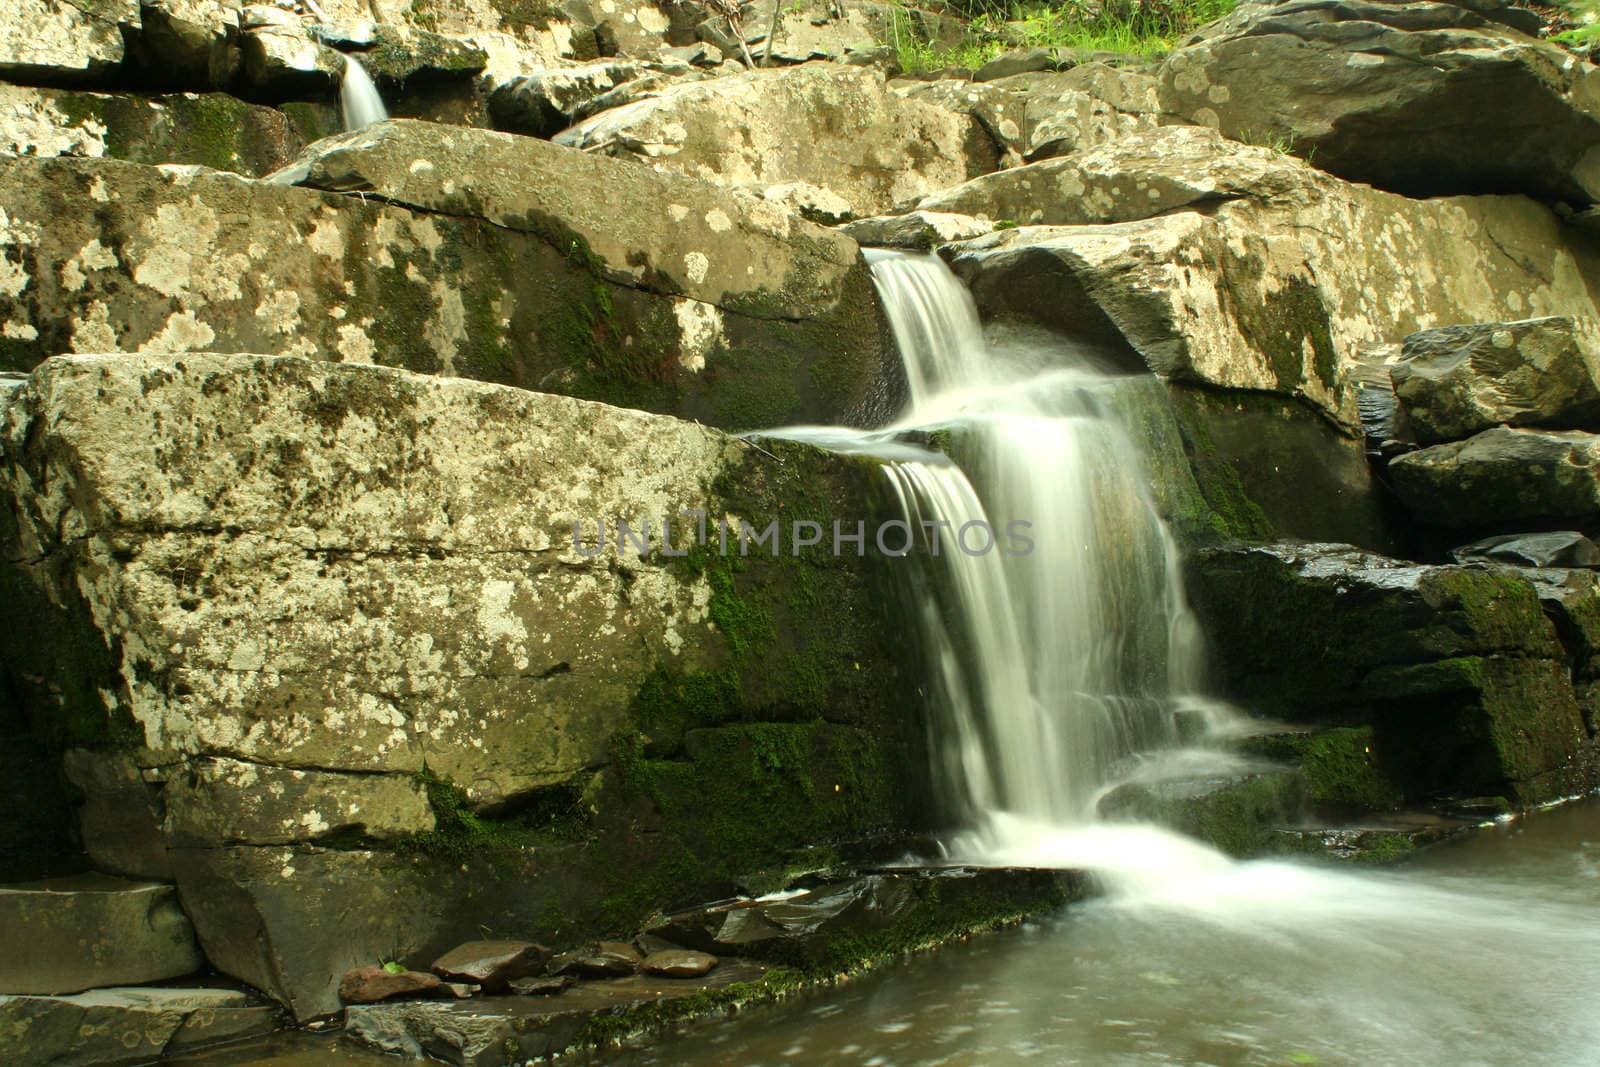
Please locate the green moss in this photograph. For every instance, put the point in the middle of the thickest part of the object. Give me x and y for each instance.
(1229, 511)
(554, 814)
(1341, 767)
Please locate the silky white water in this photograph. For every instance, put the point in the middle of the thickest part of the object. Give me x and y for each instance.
(1050, 669)
(359, 102)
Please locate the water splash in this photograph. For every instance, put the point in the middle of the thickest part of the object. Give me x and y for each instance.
(359, 102)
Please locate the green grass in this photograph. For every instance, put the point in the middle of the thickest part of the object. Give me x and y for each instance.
(1134, 28)
(1586, 13)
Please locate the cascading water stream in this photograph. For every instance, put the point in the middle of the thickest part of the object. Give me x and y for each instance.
(1050, 668)
(359, 102)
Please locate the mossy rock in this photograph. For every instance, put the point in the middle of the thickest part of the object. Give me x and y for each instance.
(1237, 815)
(1341, 769)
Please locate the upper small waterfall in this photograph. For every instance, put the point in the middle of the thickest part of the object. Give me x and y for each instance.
(359, 102)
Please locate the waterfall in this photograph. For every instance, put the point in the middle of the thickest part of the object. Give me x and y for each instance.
(1051, 670)
(359, 102)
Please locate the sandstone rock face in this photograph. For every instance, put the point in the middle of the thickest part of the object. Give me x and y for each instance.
(60, 41)
(1502, 478)
(120, 818)
(839, 128)
(655, 313)
(1457, 380)
(1422, 98)
(1462, 677)
(66, 935)
(321, 593)
(211, 130)
(126, 1026)
(1258, 272)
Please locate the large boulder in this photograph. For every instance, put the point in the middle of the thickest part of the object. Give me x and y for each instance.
(57, 42)
(542, 103)
(66, 935)
(517, 267)
(838, 128)
(1463, 678)
(1236, 266)
(209, 129)
(1455, 381)
(1091, 104)
(1502, 479)
(343, 609)
(1422, 98)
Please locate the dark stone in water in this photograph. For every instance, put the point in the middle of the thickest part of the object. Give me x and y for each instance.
(492, 964)
(543, 986)
(679, 963)
(369, 985)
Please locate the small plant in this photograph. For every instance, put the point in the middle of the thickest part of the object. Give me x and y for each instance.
(1586, 32)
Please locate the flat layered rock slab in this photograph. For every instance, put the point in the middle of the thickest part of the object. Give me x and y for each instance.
(126, 1025)
(64, 935)
(496, 1031)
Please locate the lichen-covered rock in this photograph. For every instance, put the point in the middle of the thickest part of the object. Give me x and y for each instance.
(703, 245)
(1002, 114)
(325, 587)
(1457, 380)
(919, 231)
(1251, 270)
(402, 55)
(182, 44)
(544, 102)
(1091, 104)
(64, 41)
(127, 1026)
(1458, 671)
(221, 800)
(1422, 98)
(839, 128)
(210, 129)
(784, 328)
(283, 61)
(1501, 478)
(65, 935)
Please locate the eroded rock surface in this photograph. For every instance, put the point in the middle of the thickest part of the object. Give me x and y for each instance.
(1501, 478)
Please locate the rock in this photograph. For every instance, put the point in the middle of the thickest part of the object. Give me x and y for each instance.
(814, 926)
(1457, 670)
(283, 62)
(919, 230)
(126, 1026)
(513, 182)
(498, 1032)
(641, 88)
(62, 42)
(1235, 813)
(821, 206)
(607, 959)
(543, 103)
(405, 56)
(839, 128)
(183, 44)
(1087, 106)
(65, 935)
(120, 818)
(1242, 278)
(1270, 466)
(679, 963)
(211, 130)
(1421, 98)
(1562, 548)
(370, 984)
(388, 618)
(461, 990)
(1020, 61)
(1501, 478)
(1002, 114)
(542, 986)
(492, 964)
(1457, 380)
(551, 289)
(217, 801)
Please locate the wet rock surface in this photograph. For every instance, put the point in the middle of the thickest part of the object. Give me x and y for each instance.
(124, 1026)
(492, 964)
(371, 984)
